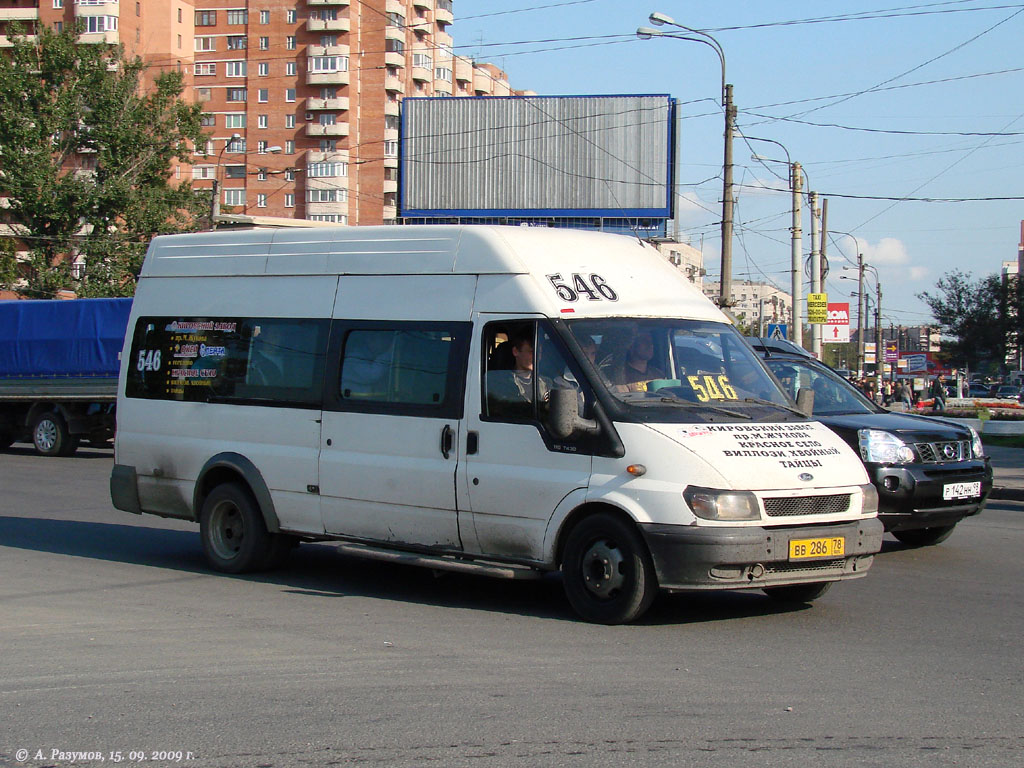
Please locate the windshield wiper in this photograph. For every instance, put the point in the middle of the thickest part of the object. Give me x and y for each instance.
(716, 408)
(762, 401)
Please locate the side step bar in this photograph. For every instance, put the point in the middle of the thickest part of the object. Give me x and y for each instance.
(441, 562)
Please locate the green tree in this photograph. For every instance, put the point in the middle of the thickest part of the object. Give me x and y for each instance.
(85, 155)
(973, 313)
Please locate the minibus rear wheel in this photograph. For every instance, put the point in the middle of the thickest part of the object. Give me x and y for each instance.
(235, 538)
(607, 571)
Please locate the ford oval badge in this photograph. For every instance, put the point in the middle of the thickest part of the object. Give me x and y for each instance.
(806, 477)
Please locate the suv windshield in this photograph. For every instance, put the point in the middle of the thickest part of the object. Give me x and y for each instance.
(672, 363)
(833, 394)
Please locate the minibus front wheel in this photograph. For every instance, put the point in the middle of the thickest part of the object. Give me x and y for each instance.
(607, 571)
(235, 538)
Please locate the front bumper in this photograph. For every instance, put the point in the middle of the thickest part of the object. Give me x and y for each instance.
(910, 496)
(694, 557)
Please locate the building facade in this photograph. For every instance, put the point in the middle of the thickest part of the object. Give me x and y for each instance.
(755, 304)
(300, 99)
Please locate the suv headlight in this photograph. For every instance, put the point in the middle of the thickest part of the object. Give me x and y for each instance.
(714, 504)
(883, 447)
(976, 447)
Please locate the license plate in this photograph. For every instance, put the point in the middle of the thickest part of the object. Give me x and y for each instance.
(804, 549)
(961, 490)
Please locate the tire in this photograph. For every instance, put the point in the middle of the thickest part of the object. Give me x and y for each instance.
(234, 535)
(51, 437)
(923, 537)
(799, 593)
(607, 571)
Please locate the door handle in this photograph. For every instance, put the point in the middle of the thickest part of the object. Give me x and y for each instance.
(446, 440)
(472, 443)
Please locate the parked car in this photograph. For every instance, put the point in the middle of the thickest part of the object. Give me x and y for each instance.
(978, 390)
(1007, 391)
(930, 473)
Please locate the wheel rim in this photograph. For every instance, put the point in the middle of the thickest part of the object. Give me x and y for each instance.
(46, 435)
(602, 569)
(227, 530)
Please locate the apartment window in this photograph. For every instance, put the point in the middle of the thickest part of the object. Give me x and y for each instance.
(290, 16)
(263, 95)
(332, 218)
(179, 13)
(263, 68)
(289, 200)
(261, 147)
(179, 41)
(235, 146)
(443, 74)
(392, 122)
(58, 27)
(202, 171)
(390, 149)
(208, 150)
(234, 172)
(326, 170)
(238, 17)
(327, 118)
(204, 94)
(328, 92)
(291, 68)
(206, 18)
(235, 69)
(289, 174)
(234, 197)
(237, 42)
(264, 17)
(328, 40)
(328, 64)
(261, 201)
(289, 121)
(94, 24)
(422, 60)
(262, 121)
(206, 69)
(396, 20)
(394, 46)
(261, 174)
(234, 120)
(289, 94)
(289, 42)
(328, 145)
(289, 147)
(208, 121)
(58, 3)
(326, 195)
(264, 43)
(204, 44)
(445, 5)
(236, 94)
(326, 14)
(138, 9)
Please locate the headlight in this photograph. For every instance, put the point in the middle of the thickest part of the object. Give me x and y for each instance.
(976, 447)
(870, 502)
(883, 447)
(713, 504)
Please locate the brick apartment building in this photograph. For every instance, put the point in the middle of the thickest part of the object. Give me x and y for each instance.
(301, 99)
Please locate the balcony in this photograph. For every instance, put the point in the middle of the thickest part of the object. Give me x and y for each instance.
(483, 84)
(7, 42)
(392, 107)
(422, 74)
(390, 185)
(327, 78)
(328, 25)
(327, 50)
(338, 104)
(109, 37)
(19, 14)
(463, 70)
(315, 130)
(327, 2)
(395, 6)
(395, 84)
(341, 156)
(390, 162)
(443, 12)
(426, 4)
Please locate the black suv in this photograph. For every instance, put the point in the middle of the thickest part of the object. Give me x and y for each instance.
(930, 473)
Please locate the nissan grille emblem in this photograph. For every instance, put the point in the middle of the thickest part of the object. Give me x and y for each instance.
(806, 477)
(949, 451)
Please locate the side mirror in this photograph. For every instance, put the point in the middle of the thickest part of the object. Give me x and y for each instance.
(805, 401)
(564, 420)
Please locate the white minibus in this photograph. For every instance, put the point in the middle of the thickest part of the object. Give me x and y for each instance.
(505, 400)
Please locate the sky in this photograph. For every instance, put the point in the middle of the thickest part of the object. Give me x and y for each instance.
(891, 108)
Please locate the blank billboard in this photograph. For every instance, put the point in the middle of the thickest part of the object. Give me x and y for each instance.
(601, 156)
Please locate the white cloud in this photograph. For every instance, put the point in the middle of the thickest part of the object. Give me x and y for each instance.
(919, 273)
(887, 252)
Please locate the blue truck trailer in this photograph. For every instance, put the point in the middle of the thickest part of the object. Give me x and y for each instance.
(59, 364)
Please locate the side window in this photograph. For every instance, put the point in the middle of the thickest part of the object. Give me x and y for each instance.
(233, 360)
(523, 364)
(406, 368)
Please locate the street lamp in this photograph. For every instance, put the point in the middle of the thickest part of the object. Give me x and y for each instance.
(861, 267)
(646, 33)
(215, 199)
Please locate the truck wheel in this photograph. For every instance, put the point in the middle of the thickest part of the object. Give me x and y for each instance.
(607, 571)
(235, 538)
(922, 537)
(50, 435)
(799, 593)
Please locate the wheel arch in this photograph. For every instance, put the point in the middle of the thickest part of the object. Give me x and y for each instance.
(231, 467)
(583, 511)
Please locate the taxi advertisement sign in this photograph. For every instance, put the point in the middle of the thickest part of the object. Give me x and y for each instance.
(817, 308)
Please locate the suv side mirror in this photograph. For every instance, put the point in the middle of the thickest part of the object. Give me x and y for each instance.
(564, 420)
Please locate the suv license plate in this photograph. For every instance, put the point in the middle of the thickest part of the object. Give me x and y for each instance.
(804, 549)
(961, 490)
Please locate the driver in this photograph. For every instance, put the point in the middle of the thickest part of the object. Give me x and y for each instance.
(636, 369)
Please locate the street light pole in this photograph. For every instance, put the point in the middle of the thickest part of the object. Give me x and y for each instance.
(215, 199)
(645, 33)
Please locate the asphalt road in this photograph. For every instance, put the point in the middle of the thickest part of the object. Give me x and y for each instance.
(115, 638)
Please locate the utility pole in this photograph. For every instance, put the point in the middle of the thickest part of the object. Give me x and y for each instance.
(861, 325)
(797, 259)
(725, 298)
(879, 353)
(812, 203)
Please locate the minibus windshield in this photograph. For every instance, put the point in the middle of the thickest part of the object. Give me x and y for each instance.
(676, 363)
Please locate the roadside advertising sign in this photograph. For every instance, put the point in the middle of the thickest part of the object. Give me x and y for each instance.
(838, 326)
(892, 351)
(817, 308)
